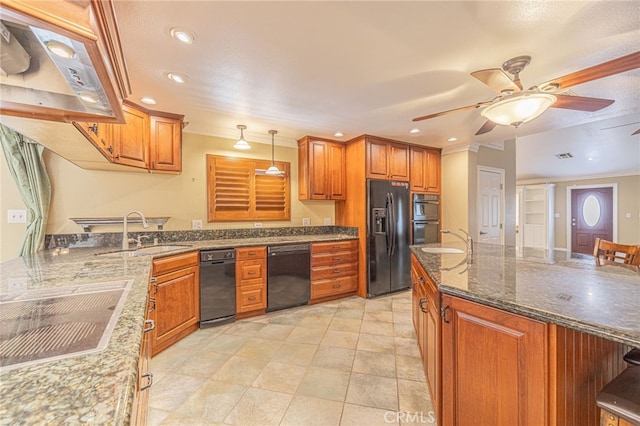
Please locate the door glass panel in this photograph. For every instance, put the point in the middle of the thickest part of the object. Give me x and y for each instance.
(591, 210)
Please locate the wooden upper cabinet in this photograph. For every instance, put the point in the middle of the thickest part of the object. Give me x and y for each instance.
(100, 135)
(321, 169)
(165, 148)
(34, 92)
(131, 140)
(386, 160)
(425, 169)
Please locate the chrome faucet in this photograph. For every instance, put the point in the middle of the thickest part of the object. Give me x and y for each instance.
(468, 241)
(125, 233)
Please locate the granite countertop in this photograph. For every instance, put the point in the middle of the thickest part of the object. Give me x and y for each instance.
(550, 287)
(95, 388)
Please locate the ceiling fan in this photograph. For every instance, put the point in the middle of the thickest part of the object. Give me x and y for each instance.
(514, 105)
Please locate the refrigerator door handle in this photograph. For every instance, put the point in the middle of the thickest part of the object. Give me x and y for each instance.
(387, 230)
(392, 224)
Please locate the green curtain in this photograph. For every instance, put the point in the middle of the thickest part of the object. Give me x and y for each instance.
(24, 158)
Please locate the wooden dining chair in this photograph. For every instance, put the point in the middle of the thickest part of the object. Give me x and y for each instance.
(610, 253)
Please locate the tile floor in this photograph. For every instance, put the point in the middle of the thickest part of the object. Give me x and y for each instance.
(348, 362)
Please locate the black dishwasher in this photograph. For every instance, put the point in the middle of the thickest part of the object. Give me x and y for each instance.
(288, 276)
(217, 287)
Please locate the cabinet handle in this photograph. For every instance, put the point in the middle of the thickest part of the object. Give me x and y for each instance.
(337, 259)
(337, 285)
(337, 271)
(252, 272)
(110, 149)
(152, 308)
(251, 253)
(149, 377)
(337, 246)
(94, 128)
(251, 298)
(422, 308)
(150, 325)
(443, 314)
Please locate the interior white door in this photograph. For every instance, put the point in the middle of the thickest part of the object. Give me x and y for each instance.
(490, 202)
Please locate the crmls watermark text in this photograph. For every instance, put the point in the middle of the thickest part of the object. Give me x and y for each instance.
(413, 418)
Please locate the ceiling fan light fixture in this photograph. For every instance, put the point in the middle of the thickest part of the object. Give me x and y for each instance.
(242, 144)
(518, 108)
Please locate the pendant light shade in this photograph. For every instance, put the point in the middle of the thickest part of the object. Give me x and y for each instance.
(518, 108)
(273, 169)
(241, 144)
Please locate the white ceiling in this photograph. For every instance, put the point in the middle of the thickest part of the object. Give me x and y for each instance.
(370, 67)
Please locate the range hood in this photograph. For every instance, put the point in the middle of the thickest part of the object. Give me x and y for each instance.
(56, 69)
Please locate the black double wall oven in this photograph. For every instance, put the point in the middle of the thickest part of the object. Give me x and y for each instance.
(426, 218)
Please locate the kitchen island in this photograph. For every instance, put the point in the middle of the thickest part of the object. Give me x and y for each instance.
(521, 338)
(96, 387)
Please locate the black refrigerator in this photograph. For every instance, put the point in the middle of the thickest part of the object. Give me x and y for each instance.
(388, 223)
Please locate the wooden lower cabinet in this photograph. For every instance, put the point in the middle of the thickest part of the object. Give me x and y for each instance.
(175, 286)
(251, 281)
(145, 377)
(334, 269)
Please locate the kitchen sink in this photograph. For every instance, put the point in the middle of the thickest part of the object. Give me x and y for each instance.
(442, 250)
(144, 251)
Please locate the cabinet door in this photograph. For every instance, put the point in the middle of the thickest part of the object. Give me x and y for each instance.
(318, 170)
(432, 171)
(165, 150)
(398, 158)
(132, 139)
(100, 135)
(177, 297)
(494, 366)
(336, 171)
(376, 159)
(417, 163)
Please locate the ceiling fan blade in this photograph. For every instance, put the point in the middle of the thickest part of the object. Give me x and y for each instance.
(496, 79)
(486, 127)
(438, 114)
(637, 132)
(605, 69)
(581, 103)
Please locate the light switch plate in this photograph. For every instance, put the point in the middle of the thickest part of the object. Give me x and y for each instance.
(16, 216)
(257, 225)
(306, 221)
(196, 224)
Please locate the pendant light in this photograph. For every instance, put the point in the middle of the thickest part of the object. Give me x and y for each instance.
(241, 144)
(273, 169)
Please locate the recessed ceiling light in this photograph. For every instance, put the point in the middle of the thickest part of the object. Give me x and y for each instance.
(338, 134)
(452, 139)
(414, 131)
(182, 36)
(590, 158)
(177, 77)
(60, 49)
(147, 100)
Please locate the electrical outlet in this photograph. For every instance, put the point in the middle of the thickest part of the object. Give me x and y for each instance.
(196, 224)
(628, 215)
(257, 225)
(327, 221)
(16, 216)
(306, 221)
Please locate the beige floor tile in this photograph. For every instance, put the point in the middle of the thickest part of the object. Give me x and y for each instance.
(205, 364)
(212, 401)
(414, 397)
(340, 339)
(334, 358)
(378, 305)
(309, 411)
(349, 313)
(259, 407)
(280, 377)
(402, 317)
(353, 302)
(177, 419)
(306, 335)
(259, 348)
(286, 318)
(373, 343)
(406, 346)
(358, 415)
(410, 368)
(170, 359)
(382, 316)
(155, 416)
(320, 310)
(402, 329)
(170, 392)
(240, 371)
(295, 353)
(377, 327)
(374, 363)
(351, 325)
(373, 391)
(227, 343)
(418, 418)
(245, 328)
(276, 331)
(324, 384)
(313, 321)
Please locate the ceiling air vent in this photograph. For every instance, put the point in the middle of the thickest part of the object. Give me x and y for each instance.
(564, 155)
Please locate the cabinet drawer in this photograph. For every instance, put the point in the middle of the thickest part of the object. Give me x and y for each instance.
(173, 263)
(337, 258)
(248, 253)
(333, 246)
(251, 269)
(340, 285)
(326, 272)
(251, 298)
